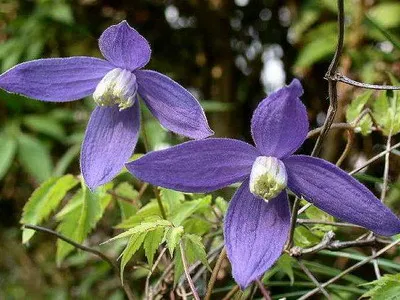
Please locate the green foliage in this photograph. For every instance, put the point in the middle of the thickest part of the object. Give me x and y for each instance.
(386, 111)
(386, 14)
(127, 195)
(152, 242)
(188, 208)
(34, 157)
(354, 110)
(80, 216)
(173, 236)
(134, 243)
(304, 238)
(44, 200)
(8, 147)
(284, 265)
(385, 288)
(315, 213)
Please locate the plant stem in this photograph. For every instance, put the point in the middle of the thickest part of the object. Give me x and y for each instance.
(214, 274)
(99, 254)
(185, 268)
(313, 279)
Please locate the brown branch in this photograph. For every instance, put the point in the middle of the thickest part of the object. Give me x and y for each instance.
(99, 254)
(313, 279)
(346, 80)
(185, 268)
(214, 274)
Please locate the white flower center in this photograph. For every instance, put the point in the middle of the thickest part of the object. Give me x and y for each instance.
(118, 86)
(268, 177)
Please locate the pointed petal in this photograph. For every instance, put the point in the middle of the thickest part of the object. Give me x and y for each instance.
(255, 233)
(196, 166)
(279, 125)
(110, 139)
(124, 47)
(172, 105)
(339, 194)
(55, 79)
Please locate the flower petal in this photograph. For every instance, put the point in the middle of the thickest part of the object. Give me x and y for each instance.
(339, 194)
(124, 47)
(196, 166)
(279, 125)
(55, 79)
(172, 105)
(110, 139)
(255, 233)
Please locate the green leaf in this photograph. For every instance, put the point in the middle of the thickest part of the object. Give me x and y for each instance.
(34, 157)
(142, 227)
(86, 210)
(171, 198)
(173, 236)
(386, 111)
(355, 108)
(8, 147)
(285, 265)
(134, 243)
(188, 208)
(386, 14)
(195, 245)
(386, 288)
(196, 226)
(315, 213)
(152, 241)
(303, 237)
(222, 204)
(126, 191)
(150, 210)
(44, 200)
(46, 125)
(194, 250)
(65, 160)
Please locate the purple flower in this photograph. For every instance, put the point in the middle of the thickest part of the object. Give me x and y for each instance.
(258, 218)
(115, 83)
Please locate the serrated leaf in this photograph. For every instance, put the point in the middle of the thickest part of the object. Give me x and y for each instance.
(152, 241)
(44, 200)
(188, 208)
(134, 243)
(385, 288)
(150, 210)
(171, 198)
(79, 221)
(195, 244)
(8, 147)
(355, 108)
(173, 236)
(386, 111)
(222, 204)
(128, 192)
(34, 157)
(194, 250)
(142, 227)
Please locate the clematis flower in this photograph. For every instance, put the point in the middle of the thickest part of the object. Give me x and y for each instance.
(115, 84)
(257, 222)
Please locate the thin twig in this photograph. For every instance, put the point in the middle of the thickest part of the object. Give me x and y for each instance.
(231, 293)
(332, 84)
(347, 149)
(99, 254)
(263, 290)
(344, 79)
(293, 221)
(316, 131)
(386, 168)
(352, 268)
(125, 199)
(185, 268)
(313, 279)
(339, 224)
(214, 273)
(376, 265)
(147, 285)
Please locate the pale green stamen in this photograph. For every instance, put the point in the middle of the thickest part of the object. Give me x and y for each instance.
(268, 177)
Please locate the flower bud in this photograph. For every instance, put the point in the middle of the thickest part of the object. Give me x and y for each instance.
(268, 177)
(118, 86)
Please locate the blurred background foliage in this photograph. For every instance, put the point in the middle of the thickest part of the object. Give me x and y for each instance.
(230, 54)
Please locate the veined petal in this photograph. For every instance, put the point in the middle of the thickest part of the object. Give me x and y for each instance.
(339, 194)
(110, 139)
(172, 105)
(279, 125)
(124, 47)
(196, 166)
(55, 79)
(255, 233)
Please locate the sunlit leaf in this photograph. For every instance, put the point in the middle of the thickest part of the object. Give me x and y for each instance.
(134, 243)
(8, 148)
(173, 236)
(152, 242)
